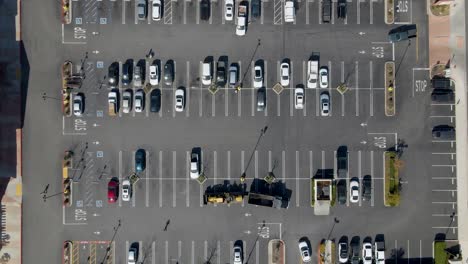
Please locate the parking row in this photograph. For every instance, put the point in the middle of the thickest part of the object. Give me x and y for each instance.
(268, 12)
(166, 175)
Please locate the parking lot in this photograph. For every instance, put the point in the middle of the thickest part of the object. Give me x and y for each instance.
(166, 218)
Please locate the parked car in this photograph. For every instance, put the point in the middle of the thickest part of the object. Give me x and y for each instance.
(379, 251)
(325, 104)
(78, 104)
(366, 188)
(341, 190)
(207, 73)
(156, 11)
(126, 190)
(326, 11)
(343, 252)
(443, 132)
(179, 100)
(169, 73)
(258, 76)
(127, 73)
(112, 190)
(139, 101)
(154, 74)
(194, 165)
(355, 258)
(341, 9)
(233, 75)
(141, 9)
(261, 99)
(238, 255)
(229, 10)
(439, 82)
(402, 33)
(284, 70)
(442, 96)
(342, 161)
(221, 73)
(127, 102)
(323, 73)
(113, 74)
(367, 253)
(256, 8)
(299, 98)
(132, 255)
(155, 100)
(140, 160)
(304, 251)
(137, 76)
(205, 9)
(354, 190)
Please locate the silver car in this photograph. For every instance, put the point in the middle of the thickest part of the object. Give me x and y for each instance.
(78, 105)
(137, 76)
(325, 104)
(237, 255)
(127, 102)
(139, 101)
(141, 9)
(179, 100)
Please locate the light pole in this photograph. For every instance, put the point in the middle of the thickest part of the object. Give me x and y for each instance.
(402, 58)
(116, 228)
(45, 96)
(335, 221)
(452, 218)
(262, 132)
(250, 63)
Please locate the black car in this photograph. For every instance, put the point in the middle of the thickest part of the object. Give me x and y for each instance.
(205, 10)
(221, 73)
(155, 100)
(355, 257)
(439, 82)
(443, 132)
(366, 188)
(140, 160)
(442, 95)
(169, 73)
(113, 74)
(403, 32)
(341, 8)
(261, 99)
(127, 73)
(326, 11)
(341, 190)
(342, 161)
(255, 8)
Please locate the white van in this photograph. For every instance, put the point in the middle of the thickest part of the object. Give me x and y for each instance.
(289, 12)
(206, 73)
(156, 11)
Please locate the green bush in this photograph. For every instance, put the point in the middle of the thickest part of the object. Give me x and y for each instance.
(440, 255)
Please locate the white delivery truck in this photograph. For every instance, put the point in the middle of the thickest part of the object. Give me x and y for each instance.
(312, 70)
(241, 22)
(289, 11)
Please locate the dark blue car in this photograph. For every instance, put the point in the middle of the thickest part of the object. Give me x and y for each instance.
(140, 160)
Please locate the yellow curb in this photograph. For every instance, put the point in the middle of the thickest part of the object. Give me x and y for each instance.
(19, 189)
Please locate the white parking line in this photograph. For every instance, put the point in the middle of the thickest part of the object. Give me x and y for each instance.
(123, 14)
(257, 252)
(126, 249)
(307, 12)
(357, 85)
(283, 166)
(210, 20)
(185, 12)
(197, 15)
(215, 166)
(360, 172)
(213, 106)
(223, 13)
(256, 164)
(291, 102)
(193, 253)
(187, 86)
(205, 250)
(226, 100)
(335, 162)
(242, 170)
(160, 178)
(147, 179)
(262, 11)
(253, 89)
(153, 252)
(317, 102)
(266, 87)
(371, 95)
(187, 184)
(200, 109)
(239, 97)
(120, 173)
(166, 251)
(218, 251)
(372, 175)
(311, 171)
(174, 175)
(297, 177)
(135, 13)
(371, 12)
(150, 8)
(330, 86)
(358, 12)
(320, 12)
(269, 161)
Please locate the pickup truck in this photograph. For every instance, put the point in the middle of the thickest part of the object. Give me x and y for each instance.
(241, 23)
(112, 99)
(379, 254)
(289, 12)
(312, 71)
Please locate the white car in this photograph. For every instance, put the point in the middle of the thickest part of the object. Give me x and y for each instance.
(379, 247)
(156, 14)
(179, 100)
(194, 166)
(367, 253)
(132, 256)
(229, 10)
(139, 101)
(154, 74)
(258, 77)
(126, 190)
(305, 251)
(284, 69)
(299, 98)
(323, 73)
(354, 190)
(126, 102)
(324, 104)
(78, 105)
(237, 255)
(343, 252)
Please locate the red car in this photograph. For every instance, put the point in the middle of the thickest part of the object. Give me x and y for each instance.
(112, 191)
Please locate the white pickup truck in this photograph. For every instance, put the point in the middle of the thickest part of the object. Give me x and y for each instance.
(289, 11)
(312, 71)
(241, 22)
